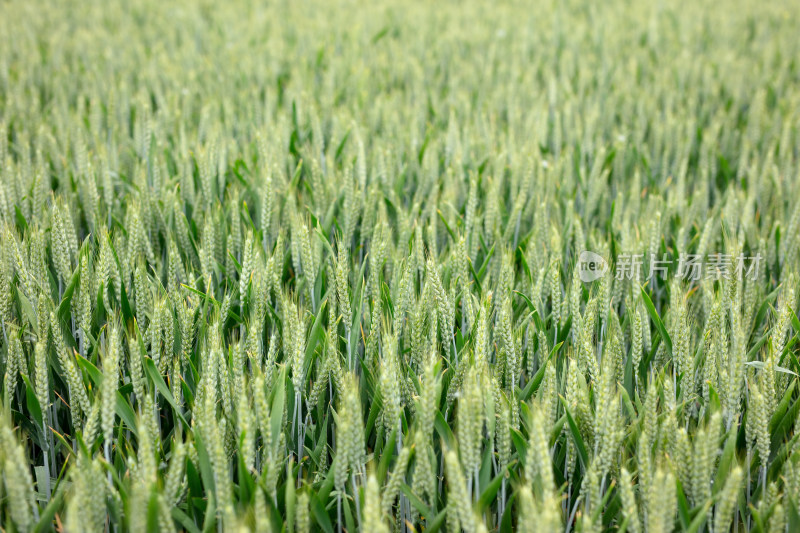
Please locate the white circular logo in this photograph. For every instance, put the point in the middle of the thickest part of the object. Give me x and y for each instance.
(591, 266)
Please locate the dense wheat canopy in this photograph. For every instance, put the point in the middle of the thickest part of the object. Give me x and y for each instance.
(311, 266)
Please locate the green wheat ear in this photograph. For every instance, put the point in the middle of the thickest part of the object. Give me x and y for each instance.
(309, 269)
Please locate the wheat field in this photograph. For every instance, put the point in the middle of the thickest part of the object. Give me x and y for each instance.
(384, 267)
